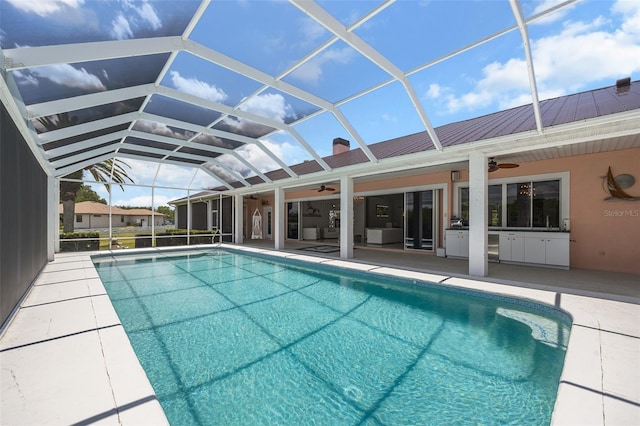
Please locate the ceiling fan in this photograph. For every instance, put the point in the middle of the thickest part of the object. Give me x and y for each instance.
(494, 165)
(325, 188)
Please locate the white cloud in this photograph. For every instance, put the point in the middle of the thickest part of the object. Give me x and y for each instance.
(67, 75)
(148, 14)
(141, 172)
(124, 25)
(160, 129)
(286, 152)
(120, 28)
(44, 7)
(434, 92)
(311, 31)
(311, 72)
(25, 78)
(196, 87)
(553, 17)
(580, 54)
(631, 11)
(389, 118)
(270, 105)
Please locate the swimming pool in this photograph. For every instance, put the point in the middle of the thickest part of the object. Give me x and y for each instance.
(230, 338)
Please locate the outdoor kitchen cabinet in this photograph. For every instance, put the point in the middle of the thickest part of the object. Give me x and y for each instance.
(512, 246)
(547, 248)
(457, 243)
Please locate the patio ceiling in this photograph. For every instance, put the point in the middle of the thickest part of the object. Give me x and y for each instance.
(223, 88)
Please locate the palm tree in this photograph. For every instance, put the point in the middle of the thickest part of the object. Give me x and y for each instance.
(100, 173)
(110, 170)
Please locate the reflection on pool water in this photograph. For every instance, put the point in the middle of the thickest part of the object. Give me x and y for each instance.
(229, 338)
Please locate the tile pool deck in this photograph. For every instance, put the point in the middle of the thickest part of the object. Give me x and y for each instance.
(65, 358)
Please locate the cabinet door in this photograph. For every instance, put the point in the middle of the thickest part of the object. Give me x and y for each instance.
(534, 250)
(505, 246)
(453, 243)
(464, 243)
(517, 248)
(557, 251)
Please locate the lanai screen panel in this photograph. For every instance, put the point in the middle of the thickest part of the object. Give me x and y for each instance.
(244, 88)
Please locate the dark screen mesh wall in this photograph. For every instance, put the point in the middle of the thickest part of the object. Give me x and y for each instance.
(227, 217)
(23, 216)
(182, 217)
(199, 216)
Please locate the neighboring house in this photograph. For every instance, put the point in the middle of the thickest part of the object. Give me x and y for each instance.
(93, 215)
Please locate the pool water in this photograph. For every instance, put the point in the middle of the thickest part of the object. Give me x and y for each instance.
(230, 338)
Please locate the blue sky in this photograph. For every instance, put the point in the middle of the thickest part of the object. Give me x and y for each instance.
(584, 46)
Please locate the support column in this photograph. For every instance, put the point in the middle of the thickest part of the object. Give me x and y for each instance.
(53, 219)
(210, 223)
(346, 217)
(188, 218)
(278, 219)
(478, 216)
(238, 236)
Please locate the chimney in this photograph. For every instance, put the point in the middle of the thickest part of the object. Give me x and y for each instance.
(623, 85)
(340, 145)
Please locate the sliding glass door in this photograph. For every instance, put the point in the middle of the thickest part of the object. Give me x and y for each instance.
(419, 220)
(293, 219)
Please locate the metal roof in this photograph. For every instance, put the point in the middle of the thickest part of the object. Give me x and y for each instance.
(82, 93)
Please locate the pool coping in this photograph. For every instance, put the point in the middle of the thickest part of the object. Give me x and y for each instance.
(68, 304)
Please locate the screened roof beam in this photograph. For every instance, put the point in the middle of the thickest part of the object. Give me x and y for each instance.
(179, 143)
(87, 143)
(79, 166)
(291, 131)
(92, 126)
(39, 56)
(196, 128)
(239, 67)
(63, 162)
(522, 26)
(230, 111)
(165, 152)
(334, 26)
(75, 103)
(229, 170)
(251, 166)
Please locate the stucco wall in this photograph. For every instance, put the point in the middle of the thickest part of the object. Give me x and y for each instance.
(605, 234)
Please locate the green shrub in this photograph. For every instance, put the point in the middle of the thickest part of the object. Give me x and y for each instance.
(88, 241)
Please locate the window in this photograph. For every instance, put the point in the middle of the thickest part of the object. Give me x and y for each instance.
(519, 205)
(534, 204)
(546, 204)
(494, 205)
(122, 219)
(528, 204)
(464, 205)
(78, 218)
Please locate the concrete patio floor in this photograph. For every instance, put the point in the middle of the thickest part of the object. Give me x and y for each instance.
(66, 359)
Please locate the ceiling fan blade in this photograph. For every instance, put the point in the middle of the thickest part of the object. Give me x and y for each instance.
(508, 165)
(330, 189)
(321, 189)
